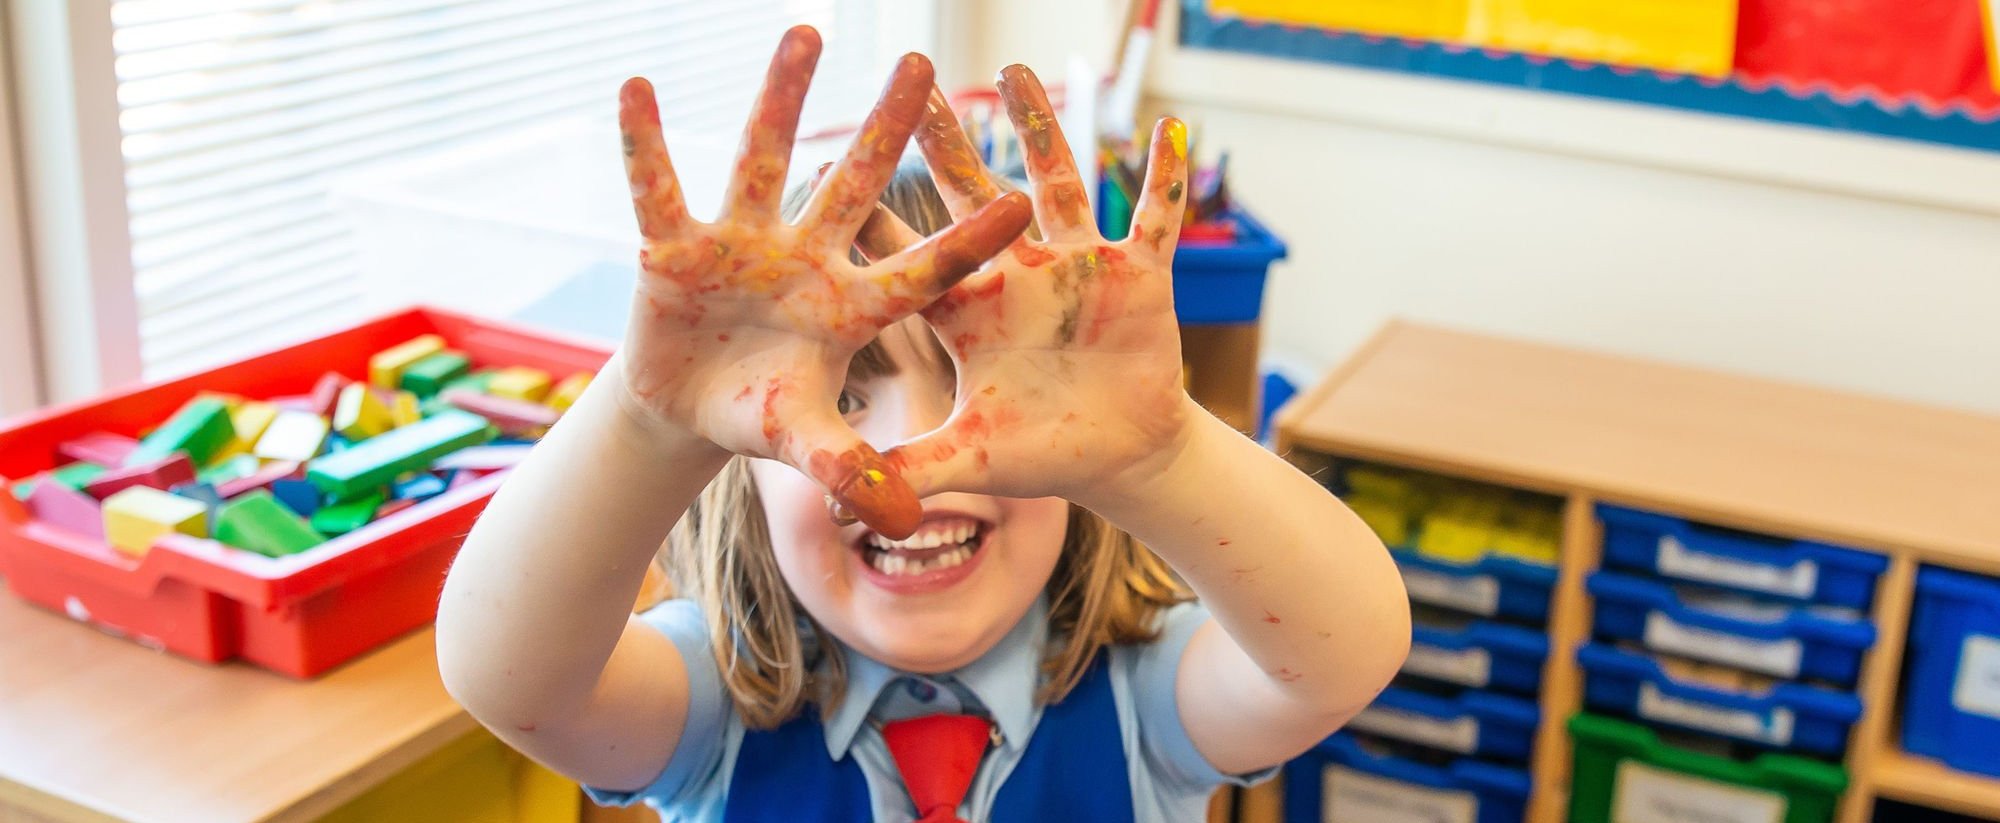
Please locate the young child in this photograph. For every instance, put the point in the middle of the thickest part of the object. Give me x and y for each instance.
(997, 638)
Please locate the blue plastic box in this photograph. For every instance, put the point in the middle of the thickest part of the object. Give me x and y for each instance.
(1479, 654)
(1370, 786)
(1793, 569)
(1495, 586)
(1224, 282)
(1952, 708)
(1474, 722)
(1782, 640)
(1791, 716)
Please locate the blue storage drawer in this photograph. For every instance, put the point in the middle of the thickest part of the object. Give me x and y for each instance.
(1790, 716)
(1794, 569)
(1952, 709)
(1342, 780)
(1782, 640)
(1478, 654)
(1495, 585)
(1474, 722)
(1224, 282)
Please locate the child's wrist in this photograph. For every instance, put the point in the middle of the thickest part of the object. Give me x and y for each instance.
(1133, 487)
(648, 430)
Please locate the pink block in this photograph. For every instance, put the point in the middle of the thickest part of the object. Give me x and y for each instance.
(483, 458)
(270, 473)
(512, 416)
(102, 448)
(66, 508)
(326, 393)
(293, 402)
(162, 474)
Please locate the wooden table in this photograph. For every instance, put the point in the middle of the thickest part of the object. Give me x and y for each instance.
(1918, 484)
(95, 728)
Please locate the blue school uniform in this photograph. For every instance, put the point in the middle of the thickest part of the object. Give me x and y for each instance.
(1113, 750)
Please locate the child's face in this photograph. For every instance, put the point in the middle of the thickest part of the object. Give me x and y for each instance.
(935, 604)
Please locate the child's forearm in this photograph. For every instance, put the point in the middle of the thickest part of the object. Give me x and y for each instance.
(541, 591)
(1297, 581)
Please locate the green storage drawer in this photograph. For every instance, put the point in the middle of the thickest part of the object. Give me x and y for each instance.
(1623, 773)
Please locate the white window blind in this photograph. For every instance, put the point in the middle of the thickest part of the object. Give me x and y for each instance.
(236, 113)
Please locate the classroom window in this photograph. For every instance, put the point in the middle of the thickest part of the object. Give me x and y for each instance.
(237, 116)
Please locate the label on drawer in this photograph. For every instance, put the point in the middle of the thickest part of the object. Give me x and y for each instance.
(1459, 734)
(1649, 794)
(1479, 594)
(1796, 580)
(1776, 657)
(1352, 796)
(1737, 723)
(1977, 689)
(1465, 667)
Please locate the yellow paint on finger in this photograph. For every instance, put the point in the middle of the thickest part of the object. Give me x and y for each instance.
(1177, 137)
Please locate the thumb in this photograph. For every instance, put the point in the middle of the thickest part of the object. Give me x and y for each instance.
(857, 476)
(948, 458)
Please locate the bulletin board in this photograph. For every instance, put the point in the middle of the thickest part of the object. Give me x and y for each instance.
(1908, 69)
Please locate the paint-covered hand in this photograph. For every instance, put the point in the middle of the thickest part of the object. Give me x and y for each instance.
(1068, 355)
(742, 328)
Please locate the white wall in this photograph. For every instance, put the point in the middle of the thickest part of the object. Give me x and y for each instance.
(1851, 262)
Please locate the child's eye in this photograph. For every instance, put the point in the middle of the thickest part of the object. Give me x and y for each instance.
(850, 402)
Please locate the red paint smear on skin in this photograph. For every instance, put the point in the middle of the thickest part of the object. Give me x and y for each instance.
(744, 394)
(526, 727)
(1271, 618)
(722, 338)
(1288, 676)
(1031, 256)
(979, 458)
(1222, 541)
(771, 411)
(889, 506)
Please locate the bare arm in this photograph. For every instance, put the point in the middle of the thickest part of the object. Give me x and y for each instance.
(740, 337)
(1069, 383)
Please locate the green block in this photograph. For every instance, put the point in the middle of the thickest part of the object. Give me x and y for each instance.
(74, 475)
(1614, 756)
(242, 465)
(200, 428)
(256, 521)
(480, 381)
(341, 518)
(429, 375)
(376, 462)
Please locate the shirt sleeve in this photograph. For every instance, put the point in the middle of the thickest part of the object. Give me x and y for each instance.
(1169, 751)
(699, 752)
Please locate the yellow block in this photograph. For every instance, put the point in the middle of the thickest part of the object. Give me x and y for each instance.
(251, 418)
(359, 414)
(1529, 532)
(520, 383)
(1389, 519)
(475, 779)
(1460, 528)
(292, 435)
(405, 410)
(385, 369)
(1423, 19)
(137, 516)
(564, 395)
(1689, 36)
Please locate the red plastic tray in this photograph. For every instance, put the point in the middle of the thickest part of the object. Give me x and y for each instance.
(298, 615)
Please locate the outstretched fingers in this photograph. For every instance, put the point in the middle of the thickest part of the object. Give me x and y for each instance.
(932, 266)
(1156, 222)
(759, 180)
(1061, 209)
(955, 165)
(848, 194)
(656, 192)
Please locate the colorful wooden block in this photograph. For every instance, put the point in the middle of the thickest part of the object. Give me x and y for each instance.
(160, 475)
(242, 465)
(513, 417)
(385, 369)
(199, 429)
(65, 508)
(73, 475)
(101, 448)
(325, 393)
(375, 462)
(265, 475)
(421, 487)
(292, 435)
(341, 518)
(360, 414)
(250, 419)
(203, 492)
(393, 507)
(258, 522)
(479, 381)
(564, 395)
(298, 494)
(404, 409)
(137, 516)
(520, 383)
(490, 457)
(429, 375)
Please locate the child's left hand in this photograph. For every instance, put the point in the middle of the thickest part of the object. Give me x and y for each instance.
(1068, 354)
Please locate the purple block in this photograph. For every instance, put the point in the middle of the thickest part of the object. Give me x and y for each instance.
(66, 508)
(102, 448)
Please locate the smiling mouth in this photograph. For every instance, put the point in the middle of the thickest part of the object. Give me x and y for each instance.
(938, 545)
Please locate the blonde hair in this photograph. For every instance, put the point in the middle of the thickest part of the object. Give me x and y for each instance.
(775, 658)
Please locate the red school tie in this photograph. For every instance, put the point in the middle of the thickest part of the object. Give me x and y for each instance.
(937, 755)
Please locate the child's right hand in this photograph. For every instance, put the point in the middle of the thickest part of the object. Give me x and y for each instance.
(742, 328)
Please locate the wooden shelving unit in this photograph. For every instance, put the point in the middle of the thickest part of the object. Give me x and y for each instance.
(1920, 485)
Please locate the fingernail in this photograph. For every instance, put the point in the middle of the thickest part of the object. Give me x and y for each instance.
(839, 514)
